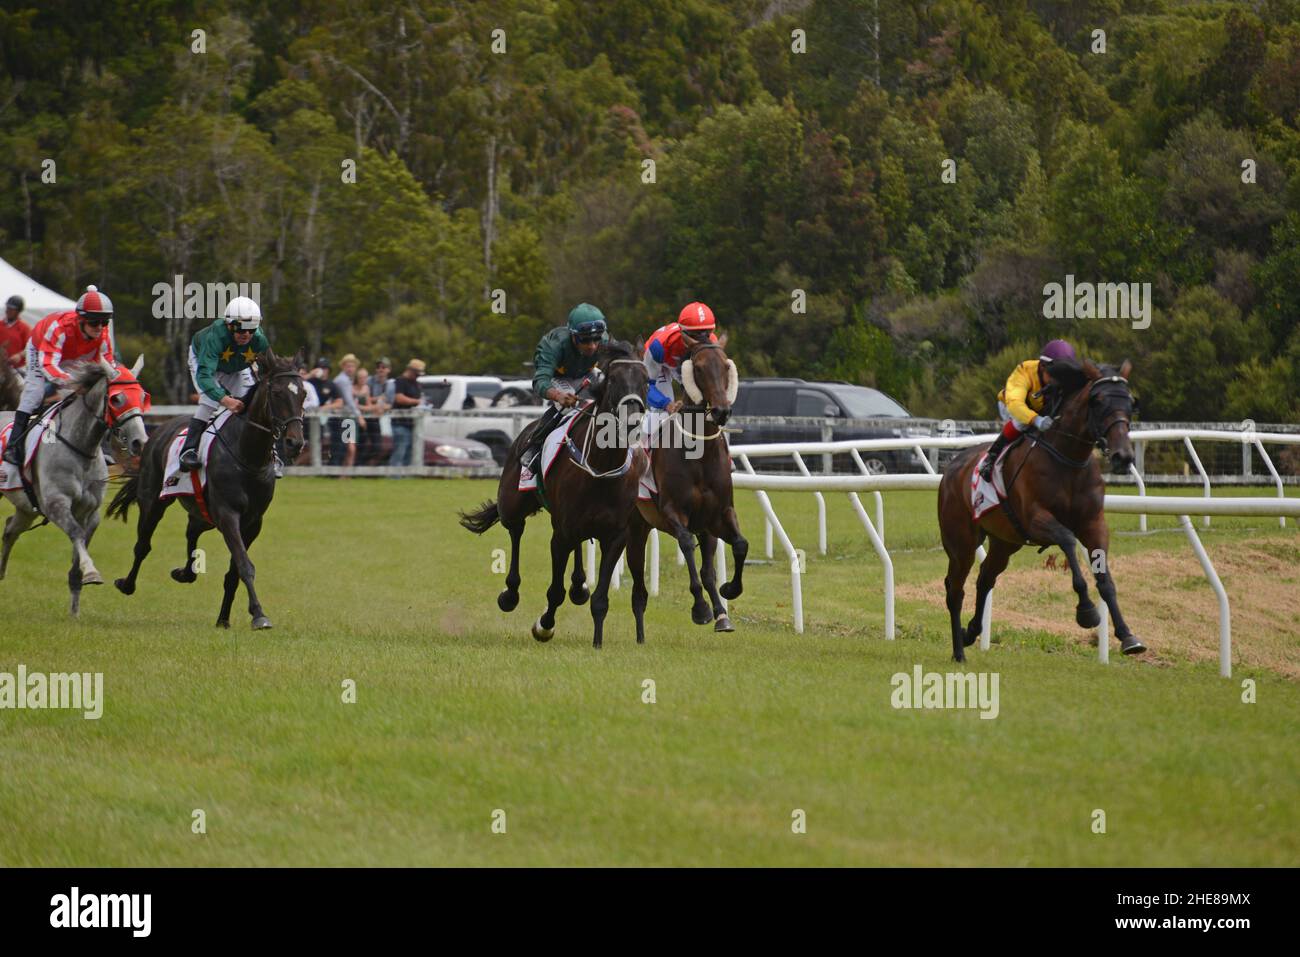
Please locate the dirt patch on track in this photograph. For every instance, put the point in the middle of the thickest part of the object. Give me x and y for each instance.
(1167, 601)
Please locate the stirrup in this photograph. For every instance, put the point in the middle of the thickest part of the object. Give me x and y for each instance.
(189, 460)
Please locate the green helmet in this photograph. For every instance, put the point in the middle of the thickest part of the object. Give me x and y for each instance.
(587, 323)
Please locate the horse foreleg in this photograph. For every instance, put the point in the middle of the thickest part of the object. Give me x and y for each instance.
(995, 563)
(90, 522)
(230, 584)
(709, 578)
(638, 532)
(544, 627)
(611, 549)
(508, 600)
(151, 513)
(15, 525)
(59, 511)
(578, 590)
(701, 613)
(233, 533)
(739, 552)
(186, 574)
(1096, 541)
(1046, 526)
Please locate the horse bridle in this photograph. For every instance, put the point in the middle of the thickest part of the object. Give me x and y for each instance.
(278, 426)
(1096, 415)
(582, 461)
(97, 416)
(702, 408)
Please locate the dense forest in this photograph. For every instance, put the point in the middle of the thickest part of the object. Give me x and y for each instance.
(868, 190)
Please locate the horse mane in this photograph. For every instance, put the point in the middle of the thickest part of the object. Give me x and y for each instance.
(1068, 377)
(83, 376)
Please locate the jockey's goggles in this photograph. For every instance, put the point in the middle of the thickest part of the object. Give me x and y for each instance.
(590, 331)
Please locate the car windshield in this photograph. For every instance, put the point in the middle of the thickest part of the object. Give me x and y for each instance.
(435, 393)
(863, 403)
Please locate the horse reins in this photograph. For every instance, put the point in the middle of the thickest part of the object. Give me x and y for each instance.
(276, 430)
(580, 460)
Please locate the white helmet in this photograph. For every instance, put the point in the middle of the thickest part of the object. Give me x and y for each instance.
(244, 311)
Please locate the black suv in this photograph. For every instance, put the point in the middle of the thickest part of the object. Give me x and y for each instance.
(822, 401)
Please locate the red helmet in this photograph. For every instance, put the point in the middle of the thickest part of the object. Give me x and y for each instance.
(94, 303)
(696, 316)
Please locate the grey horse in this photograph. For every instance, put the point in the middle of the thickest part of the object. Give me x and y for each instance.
(70, 473)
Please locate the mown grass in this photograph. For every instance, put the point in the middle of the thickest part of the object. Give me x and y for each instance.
(459, 712)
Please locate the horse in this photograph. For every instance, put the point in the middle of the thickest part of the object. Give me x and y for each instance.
(11, 385)
(241, 482)
(694, 490)
(591, 494)
(1055, 496)
(69, 472)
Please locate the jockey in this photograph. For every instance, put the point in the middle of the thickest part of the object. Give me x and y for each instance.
(14, 334)
(1020, 403)
(220, 360)
(61, 337)
(563, 359)
(664, 353)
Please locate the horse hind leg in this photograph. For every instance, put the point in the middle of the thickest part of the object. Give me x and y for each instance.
(995, 563)
(186, 573)
(151, 513)
(961, 555)
(508, 600)
(578, 590)
(15, 525)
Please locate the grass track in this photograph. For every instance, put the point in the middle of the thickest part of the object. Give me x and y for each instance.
(459, 712)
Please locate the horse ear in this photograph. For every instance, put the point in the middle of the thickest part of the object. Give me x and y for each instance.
(639, 346)
(300, 358)
(269, 356)
(1125, 368)
(139, 364)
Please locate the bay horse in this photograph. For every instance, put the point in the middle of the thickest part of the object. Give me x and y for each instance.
(241, 482)
(1055, 494)
(590, 494)
(69, 471)
(692, 472)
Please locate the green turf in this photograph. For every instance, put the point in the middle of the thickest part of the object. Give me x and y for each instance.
(459, 712)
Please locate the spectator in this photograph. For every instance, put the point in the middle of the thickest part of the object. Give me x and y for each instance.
(406, 396)
(14, 334)
(345, 452)
(382, 383)
(310, 400)
(368, 432)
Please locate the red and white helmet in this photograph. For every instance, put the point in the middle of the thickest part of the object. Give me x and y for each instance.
(94, 303)
(696, 316)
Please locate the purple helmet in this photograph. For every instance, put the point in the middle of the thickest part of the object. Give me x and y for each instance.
(1058, 349)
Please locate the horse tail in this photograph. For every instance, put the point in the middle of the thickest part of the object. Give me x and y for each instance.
(480, 521)
(124, 497)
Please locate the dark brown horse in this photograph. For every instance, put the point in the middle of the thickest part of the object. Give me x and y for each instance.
(11, 387)
(1056, 497)
(590, 490)
(241, 482)
(692, 472)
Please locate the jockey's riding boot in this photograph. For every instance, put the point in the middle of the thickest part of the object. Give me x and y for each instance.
(190, 451)
(14, 451)
(528, 459)
(986, 469)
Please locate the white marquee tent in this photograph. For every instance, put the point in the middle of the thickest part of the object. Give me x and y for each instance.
(38, 301)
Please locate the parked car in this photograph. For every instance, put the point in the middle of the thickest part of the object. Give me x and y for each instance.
(447, 393)
(812, 401)
(456, 453)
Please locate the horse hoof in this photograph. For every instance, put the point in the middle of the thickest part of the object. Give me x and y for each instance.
(542, 634)
(180, 575)
(508, 600)
(959, 657)
(579, 596)
(1131, 645)
(730, 590)
(261, 622)
(223, 623)
(1088, 617)
(970, 638)
(723, 624)
(701, 614)
(94, 578)
(124, 586)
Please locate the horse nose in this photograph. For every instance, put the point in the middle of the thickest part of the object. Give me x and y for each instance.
(721, 413)
(1120, 462)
